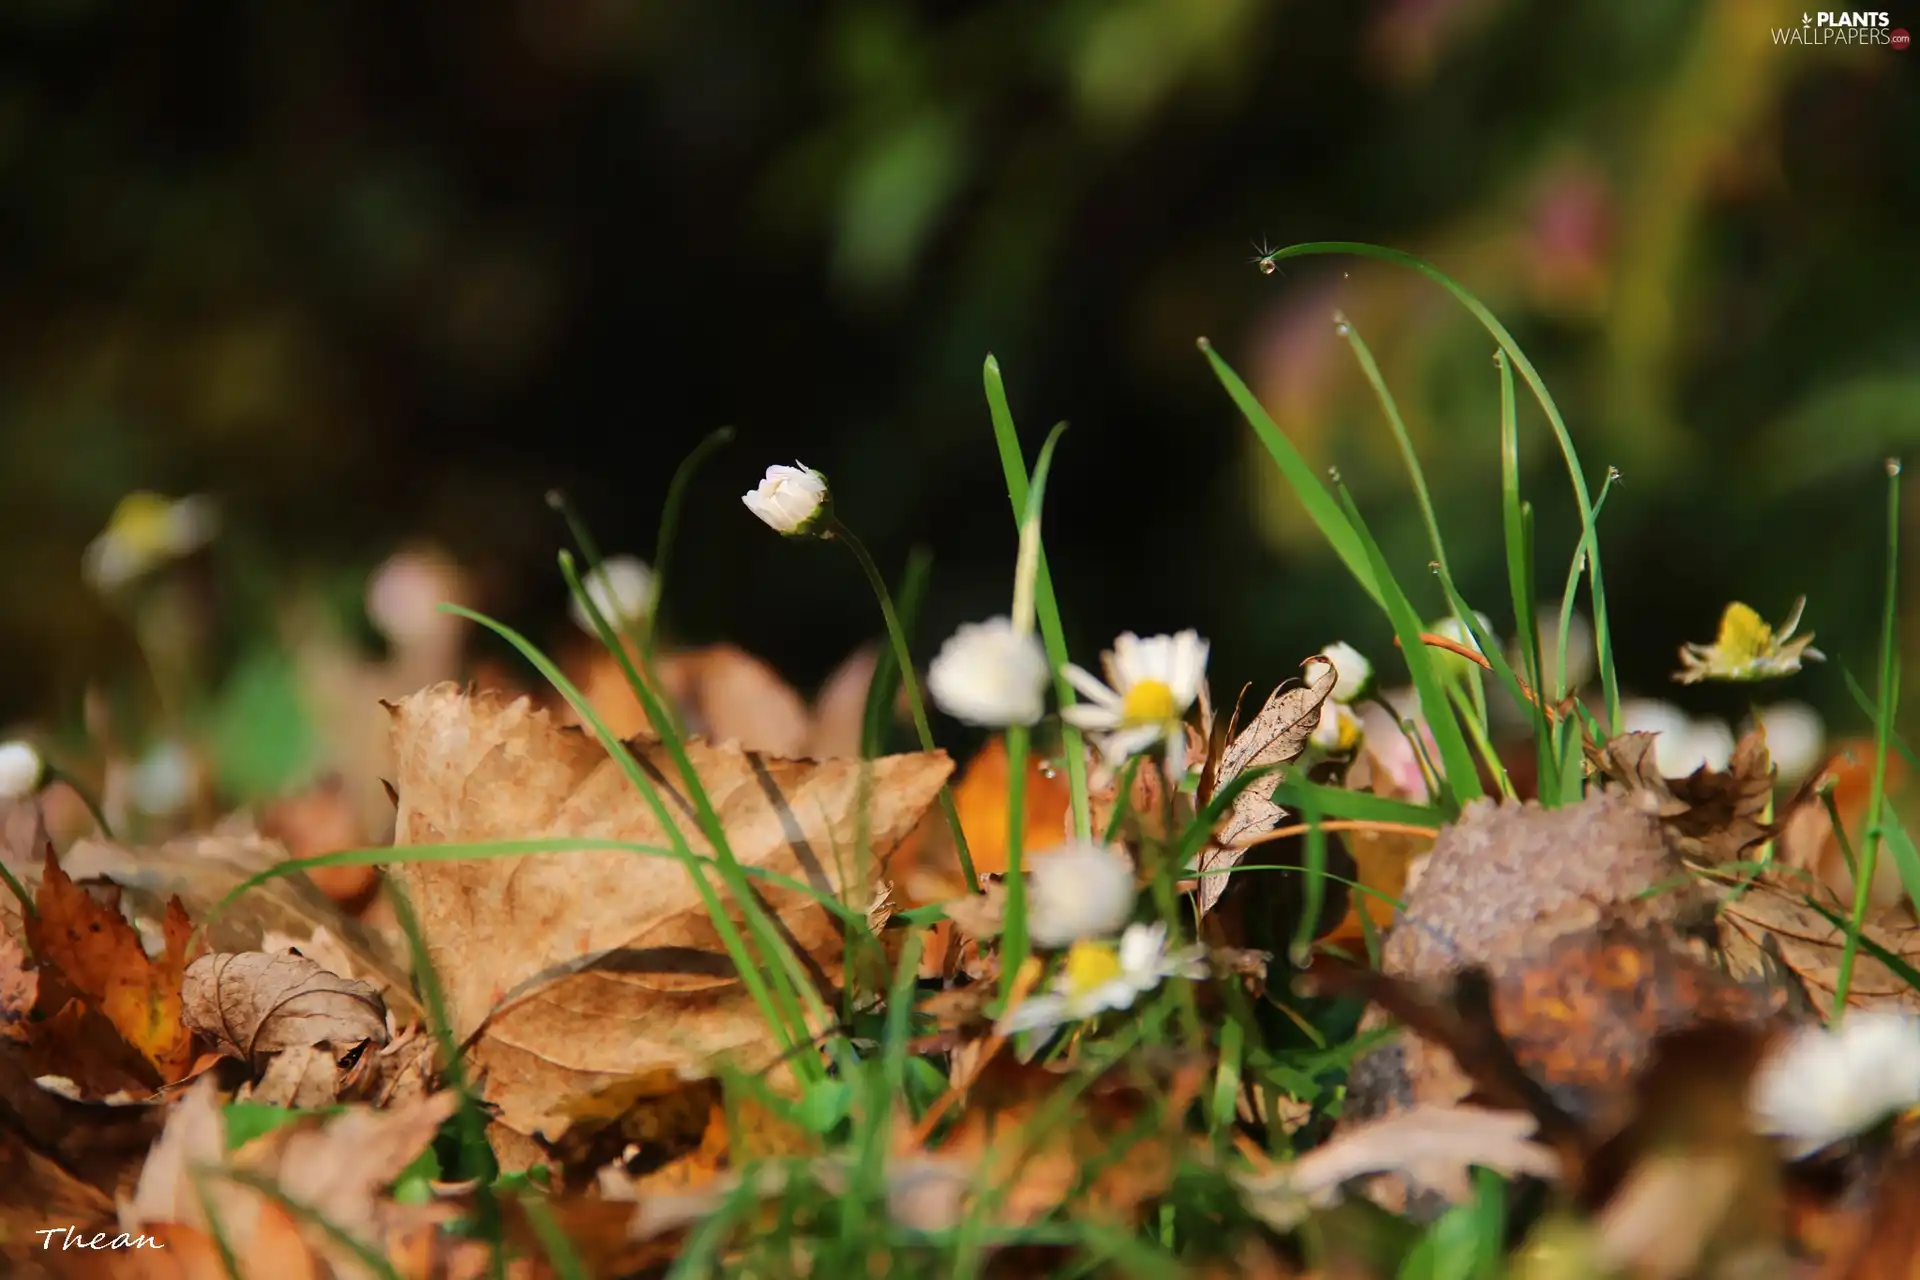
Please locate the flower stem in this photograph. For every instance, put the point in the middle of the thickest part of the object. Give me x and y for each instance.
(55, 774)
(910, 682)
(1013, 934)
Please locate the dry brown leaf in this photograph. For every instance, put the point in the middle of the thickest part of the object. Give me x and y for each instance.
(40, 1194)
(840, 708)
(320, 820)
(1276, 736)
(1710, 816)
(99, 952)
(1433, 1144)
(606, 960)
(726, 695)
(1771, 918)
(254, 1003)
(202, 870)
(19, 987)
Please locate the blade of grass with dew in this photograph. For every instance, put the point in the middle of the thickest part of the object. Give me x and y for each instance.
(1053, 633)
(1489, 646)
(1579, 564)
(669, 531)
(1320, 505)
(1462, 781)
(1391, 408)
(777, 1002)
(1472, 709)
(883, 690)
(1013, 935)
(1882, 730)
(1589, 532)
(1520, 585)
(1550, 784)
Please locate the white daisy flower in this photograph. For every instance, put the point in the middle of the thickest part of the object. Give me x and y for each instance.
(988, 673)
(791, 500)
(620, 589)
(1683, 744)
(1150, 685)
(1824, 1085)
(1339, 730)
(1796, 738)
(21, 770)
(1076, 892)
(1097, 977)
(145, 532)
(1352, 672)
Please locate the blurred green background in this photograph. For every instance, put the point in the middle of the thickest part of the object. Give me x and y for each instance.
(370, 274)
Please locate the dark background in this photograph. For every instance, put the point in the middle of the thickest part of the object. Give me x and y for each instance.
(370, 273)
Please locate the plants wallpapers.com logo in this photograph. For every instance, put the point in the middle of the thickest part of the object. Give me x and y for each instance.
(1857, 27)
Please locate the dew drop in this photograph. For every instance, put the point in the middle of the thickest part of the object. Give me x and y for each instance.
(1893, 466)
(1048, 769)
(1343, 328)
(1266, 266)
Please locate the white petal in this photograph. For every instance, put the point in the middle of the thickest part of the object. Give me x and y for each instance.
(1078, 891)
(1141, 947)
(1083, 716)
(1035, 1012)
(1090, 686)
(1122, 743)
(1176, 748)
(1116, 994)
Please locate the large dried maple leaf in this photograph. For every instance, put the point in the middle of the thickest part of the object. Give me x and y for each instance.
(576, 967)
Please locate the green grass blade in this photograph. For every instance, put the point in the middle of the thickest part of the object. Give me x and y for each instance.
(1391, 408)
(1320, 505)
(1052, 633)
(884, 688)
(1882, 731)
(1490, 648)
(1462, 780)
(776, 1004)
(1362, 806)
(669, 531)
(1589, 534)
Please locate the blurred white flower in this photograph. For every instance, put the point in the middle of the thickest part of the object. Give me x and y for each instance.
(21, 770)
(1339, 730)
(1353, 673)
(1684, 744)
(1390, 747)
(145, 532)
(164, 780)
(1796, 738)
(1580, 650)
(1077, 892)
(1821, 1085)
(987, 673)
(1097, 977)
(621, 588)
(405, 593)
(791, 500)
(1150, 685)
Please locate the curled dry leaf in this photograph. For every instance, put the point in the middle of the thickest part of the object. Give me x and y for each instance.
(1276, 736)
(1433, 1144)
(254, 1003)
(1709, 817)
(570, 967)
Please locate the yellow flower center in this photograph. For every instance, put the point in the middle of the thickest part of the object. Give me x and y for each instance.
(141, 522)
(1149, 702)
(1090, 965)
(1744, 635)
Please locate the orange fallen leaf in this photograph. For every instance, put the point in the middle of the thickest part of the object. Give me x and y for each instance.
(981, 796)
(99, 952)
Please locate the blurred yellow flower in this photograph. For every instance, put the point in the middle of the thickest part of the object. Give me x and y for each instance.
(1748, 649)
(147, 530)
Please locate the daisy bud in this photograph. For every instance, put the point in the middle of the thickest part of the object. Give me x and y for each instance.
(1353, 673)
(620, 589)
(791, 500)
(1078, 891)
(989, 674)
(21, 770)
(1821, 1085)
